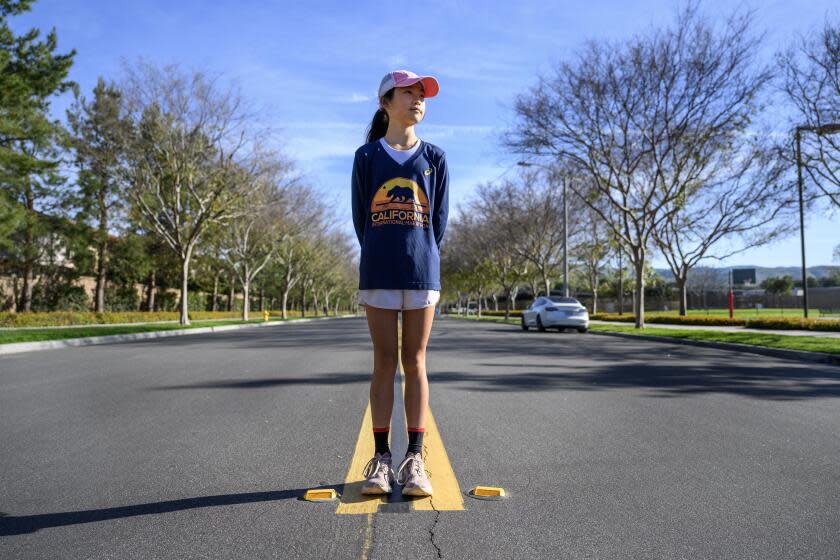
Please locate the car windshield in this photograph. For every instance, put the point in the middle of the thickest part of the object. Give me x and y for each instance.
(555, 299)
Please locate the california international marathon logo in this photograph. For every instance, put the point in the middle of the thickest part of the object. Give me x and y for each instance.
(400, 201)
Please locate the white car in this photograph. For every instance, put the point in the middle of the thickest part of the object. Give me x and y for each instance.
(556, 312)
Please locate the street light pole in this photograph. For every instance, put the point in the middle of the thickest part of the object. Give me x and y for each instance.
(801, 221)
(824, 130)
(565, 241)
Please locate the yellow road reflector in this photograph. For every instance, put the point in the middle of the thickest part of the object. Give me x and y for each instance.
(320, 495)
(488, 492)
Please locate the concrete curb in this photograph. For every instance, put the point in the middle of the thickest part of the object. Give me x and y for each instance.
(18, 347)
(798, 355)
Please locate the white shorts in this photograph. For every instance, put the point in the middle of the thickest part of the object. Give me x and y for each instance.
(398, 299)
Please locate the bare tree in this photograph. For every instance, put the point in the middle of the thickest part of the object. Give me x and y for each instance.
(593, 251)
(299, 227)
(497, 208)
(535, 208)
(187, 143)
(741, 202)
(645, 121)
(253, 235)
(464, 259)
(811, 81)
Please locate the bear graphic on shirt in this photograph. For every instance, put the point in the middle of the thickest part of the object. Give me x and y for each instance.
(400, 201)
(404, 194)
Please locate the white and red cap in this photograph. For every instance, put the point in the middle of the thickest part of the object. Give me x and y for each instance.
(405, 78)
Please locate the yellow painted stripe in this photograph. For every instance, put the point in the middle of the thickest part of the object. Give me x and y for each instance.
(447, 493)
(352, 500)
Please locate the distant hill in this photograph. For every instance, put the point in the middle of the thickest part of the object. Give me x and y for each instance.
(721, 275)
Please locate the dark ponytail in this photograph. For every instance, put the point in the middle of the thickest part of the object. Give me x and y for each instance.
(379, 125)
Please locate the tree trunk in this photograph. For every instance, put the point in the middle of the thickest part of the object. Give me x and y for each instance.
(639, 300)
(534, 283)
(513, 293)
(101, 253)
(215, 306)
(547, 283)
(185, 276)
(99, 306)
(150, 296)
(315, 300)
(231, 292)
(681, 288)
(285, 302)
(620, 284)
(508, 292)
(262, 299)
(246, 304)
(303, 299)
(28, 269)
(28, 249)
(594, 301)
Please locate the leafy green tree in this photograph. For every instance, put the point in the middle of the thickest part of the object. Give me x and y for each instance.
(778, 286)
(31, 73)
(97, 128)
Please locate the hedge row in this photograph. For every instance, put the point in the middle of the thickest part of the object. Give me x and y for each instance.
(781, 323)
(777, 323)
(513, 313)
(67, 318)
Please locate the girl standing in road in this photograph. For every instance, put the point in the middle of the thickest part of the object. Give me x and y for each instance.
(400, 199)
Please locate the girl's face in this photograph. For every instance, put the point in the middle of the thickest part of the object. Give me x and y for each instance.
(407, 106)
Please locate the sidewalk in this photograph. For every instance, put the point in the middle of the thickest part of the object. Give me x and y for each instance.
(818, 334)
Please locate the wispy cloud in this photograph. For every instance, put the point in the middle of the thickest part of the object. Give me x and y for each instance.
(355, 98)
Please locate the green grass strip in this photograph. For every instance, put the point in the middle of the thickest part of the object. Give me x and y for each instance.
(768, 340)
(38, 335)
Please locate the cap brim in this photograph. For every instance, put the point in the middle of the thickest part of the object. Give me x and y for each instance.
(430, 85)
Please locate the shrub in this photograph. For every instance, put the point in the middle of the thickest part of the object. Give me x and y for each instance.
(782, 323)
(68, 318)
(673, 320)
(513, 313)
(121, 298)
(59, 297)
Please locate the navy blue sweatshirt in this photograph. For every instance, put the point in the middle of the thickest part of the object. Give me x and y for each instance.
(400, 211)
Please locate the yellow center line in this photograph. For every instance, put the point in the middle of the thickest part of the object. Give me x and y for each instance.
(447, 493)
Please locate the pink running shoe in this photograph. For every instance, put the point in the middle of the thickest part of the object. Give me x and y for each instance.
(378, 475)
(412, 475)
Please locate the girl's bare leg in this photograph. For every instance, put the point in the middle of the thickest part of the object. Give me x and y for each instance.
(383, 332)
(416, 328)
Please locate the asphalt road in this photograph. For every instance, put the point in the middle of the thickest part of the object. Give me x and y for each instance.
(202, 446)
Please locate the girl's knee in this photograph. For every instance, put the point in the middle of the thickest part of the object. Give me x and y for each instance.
(414, 364)
(385, 360)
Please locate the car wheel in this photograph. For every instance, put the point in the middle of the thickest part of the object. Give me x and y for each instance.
(582, 330)
(540, 326)
(524, 325)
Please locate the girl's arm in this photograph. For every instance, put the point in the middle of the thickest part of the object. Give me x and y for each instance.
(357, 186)
(441, 210)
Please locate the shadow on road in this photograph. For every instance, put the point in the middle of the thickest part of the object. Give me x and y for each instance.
(320, 379)
(12, 525)
(535, 361)
(489, 357)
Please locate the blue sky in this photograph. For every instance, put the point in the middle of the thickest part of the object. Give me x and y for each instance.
(313, 69)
